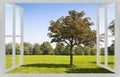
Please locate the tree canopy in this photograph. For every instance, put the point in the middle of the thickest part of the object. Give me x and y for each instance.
(74, 29)
(28, 48)
(46, 48)
(36, 49)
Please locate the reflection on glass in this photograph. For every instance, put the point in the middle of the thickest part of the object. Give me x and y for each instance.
(111, 19)
(8, 52)
(111, 51)
(111, 35)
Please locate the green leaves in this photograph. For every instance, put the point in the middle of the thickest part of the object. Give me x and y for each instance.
(59, 49)
(46, 48)
(36, 49)
(73, 29)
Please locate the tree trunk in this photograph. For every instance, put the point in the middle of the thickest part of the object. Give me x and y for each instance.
(71, 57)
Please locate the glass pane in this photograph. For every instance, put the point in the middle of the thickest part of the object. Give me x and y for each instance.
(18, 22)
(111, 19)
(102, 21)
(8, 52)
(18, 50)
(111, 51)
(111, 35)
(8, 19)
(102, 34)
(102, 51)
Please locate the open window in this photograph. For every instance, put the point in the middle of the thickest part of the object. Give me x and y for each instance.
(13, 36)
(106, 36)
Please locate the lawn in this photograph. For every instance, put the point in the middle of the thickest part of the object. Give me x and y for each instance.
(59, 64)
(9, 61)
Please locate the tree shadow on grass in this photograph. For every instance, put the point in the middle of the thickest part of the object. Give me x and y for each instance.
(69, 70)
(88, 70)
(112, 63)
(47, 65)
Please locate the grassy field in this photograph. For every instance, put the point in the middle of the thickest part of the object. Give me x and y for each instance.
(59, 64)
(9, 61)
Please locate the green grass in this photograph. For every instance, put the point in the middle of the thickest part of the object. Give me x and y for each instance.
(110, 61)
(9, 60)
(60, 64)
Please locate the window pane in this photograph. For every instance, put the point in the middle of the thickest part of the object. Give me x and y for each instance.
(102, 34)
(9, 52)
(18, 22)
(111, 19)
(18, 50)
(111, 35)
(111, 51)
(8, 19)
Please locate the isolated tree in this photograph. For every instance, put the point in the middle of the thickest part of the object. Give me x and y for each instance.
(73, 30)
(59, 48)
(46, 48)
(36, 49)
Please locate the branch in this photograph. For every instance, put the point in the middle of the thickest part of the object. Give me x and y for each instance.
(66, 42)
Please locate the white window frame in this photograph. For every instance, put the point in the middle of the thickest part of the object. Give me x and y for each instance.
(117, 37)
(14, 35)
(105, 65)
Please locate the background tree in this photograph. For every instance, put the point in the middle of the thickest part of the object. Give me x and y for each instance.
(93, 51)
(36, 49)
(66, 50)
(102, 51)
(73, 30)
(87, 51)
(79, 50)
(9, 49)
(59, 49)
(17, 49)
(46, 48)
(28, 48)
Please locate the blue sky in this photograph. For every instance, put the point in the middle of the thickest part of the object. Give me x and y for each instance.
(38, 16)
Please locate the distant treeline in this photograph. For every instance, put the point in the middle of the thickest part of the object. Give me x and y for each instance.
(46, 49)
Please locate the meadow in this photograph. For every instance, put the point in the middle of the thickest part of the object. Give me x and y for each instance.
(58, 64)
